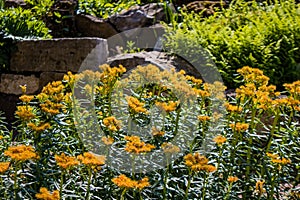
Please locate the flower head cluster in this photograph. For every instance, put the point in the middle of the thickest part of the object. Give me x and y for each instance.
(40, 127)
(107, 140)
(278, 160)
(135, 145)
(203, 118)
(25, 112)
(123, 181)
(168, 107)
(219, 139)
(4, 166)
(91, 160)
(21, 153)
(135, 105)
(232, 108)
(26, 98)
(170, 148)
(216, 90)
(259, 187)
(46, 195)
(112, 123)
(232, 179)
(66, 162)
(198, 162)
(239, 127)
(156, 132)
(253, 75)
(293, 89)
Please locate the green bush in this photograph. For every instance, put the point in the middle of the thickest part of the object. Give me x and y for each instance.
(103, 8)
(260, 35)
(17, 24)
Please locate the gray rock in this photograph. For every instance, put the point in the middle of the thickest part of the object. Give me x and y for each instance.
(46, 77)
(10, 84)
(91, 26)
(58, 55)
(138, 16)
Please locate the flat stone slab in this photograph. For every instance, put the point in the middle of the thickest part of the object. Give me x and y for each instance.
(10, 84)
(58, 55)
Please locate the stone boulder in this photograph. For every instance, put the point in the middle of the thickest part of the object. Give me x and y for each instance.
(58, 55)
(206, 7)
(10, 84)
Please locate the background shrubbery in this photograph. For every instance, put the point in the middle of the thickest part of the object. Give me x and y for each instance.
(253, 34)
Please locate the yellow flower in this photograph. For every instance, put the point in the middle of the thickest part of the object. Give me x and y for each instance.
(168, 107)
(40, 127)
(25, 112)
(65, 161)
(219, 140)
(239, 127)
(123, 181)
(21, 153)
(107, 140)
(259, 187)
(46, 195)
(156, 132)
(91, 160)
(23, 88)
(135, 105)
(135, 145)
(278, 160)
(4, 166)
(198, 163)
(26, 98)
(232, 179)
(1, 137)
(112, 123)
(232, 108)
(203, 118)
(170, 148)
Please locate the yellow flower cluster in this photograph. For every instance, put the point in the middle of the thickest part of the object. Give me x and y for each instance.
(112, 123)
(156, 132)
(232, 108)
(21, 153)
(239, 127)
(198, 163)
(219, 139)
(232, 179)
(275, 158)
(293, 89)
(253, 75)
(4, 166)
(46, 195)
(168, 107)
(66, 162)
(52, 97)
(91, 160)
(135, 145)
(135, 105)
(196, 82)
(216, 90)
(26, 98)
(107, 140)
(25, 112)
(259, 187)
(23, 88)
(203, 118)
(170, 148)
(123, 181)
(40, 127)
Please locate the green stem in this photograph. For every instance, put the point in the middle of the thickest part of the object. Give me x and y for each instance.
(204, 186)
(189, 184)
(176, 121)
(87, 196)
(61, 183)
(228, 191)
(123, 194)
(165, 181)
(15, 180)
(272, 131)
